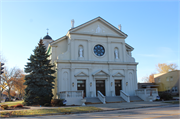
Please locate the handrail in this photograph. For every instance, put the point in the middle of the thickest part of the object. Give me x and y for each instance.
(146, 91)
(65, 94)
(145, 94)
(125, 96)
(101, 97)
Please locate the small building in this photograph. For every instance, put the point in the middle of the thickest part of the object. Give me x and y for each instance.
(147, 85)
(168, 82)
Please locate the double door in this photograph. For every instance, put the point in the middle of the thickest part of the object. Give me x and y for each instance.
(118, 87)
(100, 86)
(81, 85)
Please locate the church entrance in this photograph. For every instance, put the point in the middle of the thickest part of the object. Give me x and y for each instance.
(118, 87)
(81, 85)
(100, 86)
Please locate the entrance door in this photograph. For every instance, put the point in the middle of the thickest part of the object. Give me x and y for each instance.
(81, 85)
(100, 86)
(118, 87)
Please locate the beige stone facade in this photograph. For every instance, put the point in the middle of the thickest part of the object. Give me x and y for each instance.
(168, 82)
(91, 55)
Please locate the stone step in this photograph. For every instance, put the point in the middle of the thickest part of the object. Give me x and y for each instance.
(93, 100)
(114, 99)
(135, 99)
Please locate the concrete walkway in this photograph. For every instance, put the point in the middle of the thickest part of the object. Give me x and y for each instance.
(131, 105)
(109, 106)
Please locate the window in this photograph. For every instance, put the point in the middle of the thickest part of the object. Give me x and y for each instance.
(173, 89)
(159, 80)
(171, 78)
(167, 78)
(176, 89)
(99, 50)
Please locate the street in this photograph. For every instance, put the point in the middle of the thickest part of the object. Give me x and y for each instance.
(162, 112)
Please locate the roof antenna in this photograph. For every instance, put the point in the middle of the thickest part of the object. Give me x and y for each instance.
(120, 27)
(47, 31)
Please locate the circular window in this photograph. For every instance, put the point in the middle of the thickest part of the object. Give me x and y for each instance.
(99, 50)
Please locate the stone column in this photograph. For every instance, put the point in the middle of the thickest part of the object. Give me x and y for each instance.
(124, 52)
(109, 54)
(59, 79)
(126, 80)
(72, 79)
(90, 83)
(112, 89)
(72, 51)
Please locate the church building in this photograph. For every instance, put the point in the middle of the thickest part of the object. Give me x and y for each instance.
(93, 58)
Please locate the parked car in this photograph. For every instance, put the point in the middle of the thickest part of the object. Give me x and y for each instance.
(7, 99)
(17, 98)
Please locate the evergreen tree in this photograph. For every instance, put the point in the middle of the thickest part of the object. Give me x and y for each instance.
(38, 79)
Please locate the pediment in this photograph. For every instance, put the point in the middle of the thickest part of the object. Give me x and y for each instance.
(98, 26)
(118, 74)
(81, 74)
(100, 73)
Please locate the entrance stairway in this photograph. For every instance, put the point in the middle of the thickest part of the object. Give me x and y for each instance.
(135, 99)
(92, 100)
(114, 99)
(109, 99)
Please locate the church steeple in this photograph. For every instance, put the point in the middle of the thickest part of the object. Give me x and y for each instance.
(47, 36)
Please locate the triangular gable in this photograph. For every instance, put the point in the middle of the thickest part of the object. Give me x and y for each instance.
(81, 74)
(100, 73)
(98, 28)
(118, 74)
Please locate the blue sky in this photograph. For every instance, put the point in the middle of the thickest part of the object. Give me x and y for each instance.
(152, 27)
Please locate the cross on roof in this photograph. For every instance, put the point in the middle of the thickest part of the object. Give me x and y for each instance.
(47, 30)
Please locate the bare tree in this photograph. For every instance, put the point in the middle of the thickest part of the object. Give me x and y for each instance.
(19, 86)
(10, 79)
(164, 68)
(149, 79)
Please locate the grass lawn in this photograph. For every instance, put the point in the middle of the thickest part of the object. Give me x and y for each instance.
(12, 103)
(49, 111)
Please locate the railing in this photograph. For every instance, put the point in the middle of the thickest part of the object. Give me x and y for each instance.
(140, 91)
(147, 91)
(125, 96)
(144, 94)
(101, 97)
(65, 94)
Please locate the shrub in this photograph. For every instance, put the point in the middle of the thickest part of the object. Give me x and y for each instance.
(18, 105)
(4, 106)
(165, 96)
(57, 102)
(12, 106)
(47, 104)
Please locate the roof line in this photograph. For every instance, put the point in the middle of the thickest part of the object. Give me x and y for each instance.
(102, 20)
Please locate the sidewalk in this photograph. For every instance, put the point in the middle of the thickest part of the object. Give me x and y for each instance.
(131, 105)
(109, 106)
